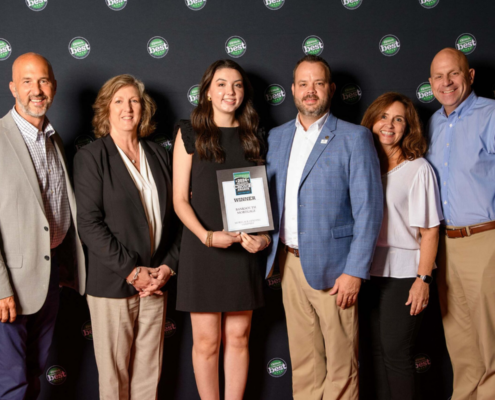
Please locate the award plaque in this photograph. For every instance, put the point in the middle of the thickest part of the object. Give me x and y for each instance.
(245, 200)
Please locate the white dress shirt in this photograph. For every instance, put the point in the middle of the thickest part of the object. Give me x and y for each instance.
(146, 186)
(302, 146)
(51, 176)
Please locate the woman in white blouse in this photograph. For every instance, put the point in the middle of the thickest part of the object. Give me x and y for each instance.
(123, 189)
(391, 303)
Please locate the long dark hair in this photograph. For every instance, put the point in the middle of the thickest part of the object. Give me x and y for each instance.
(413, 143)
(208, 140)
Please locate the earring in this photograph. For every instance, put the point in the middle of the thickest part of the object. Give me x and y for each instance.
(208, 98)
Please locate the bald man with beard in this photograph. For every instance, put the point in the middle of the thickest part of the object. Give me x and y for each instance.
(38, 231)
(462, 152)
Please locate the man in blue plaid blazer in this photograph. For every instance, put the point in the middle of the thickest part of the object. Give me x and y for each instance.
(327, 203)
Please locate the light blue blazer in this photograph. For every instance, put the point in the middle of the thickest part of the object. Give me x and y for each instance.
(340, 200)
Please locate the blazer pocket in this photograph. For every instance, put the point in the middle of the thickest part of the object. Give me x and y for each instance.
(14, 261)
(343, 231)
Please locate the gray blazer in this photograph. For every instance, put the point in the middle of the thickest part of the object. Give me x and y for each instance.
(24, 236)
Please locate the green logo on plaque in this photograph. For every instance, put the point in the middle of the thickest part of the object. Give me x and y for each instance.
(235, 46)
(56, 375)
(195, 5)
(351, 93)
(313, 45)
(193, 95)
(116, 5)
(275, 94)
(277, 367)
(79, 48)
(429, 3)
(242, 182)
(466, 43)
(424, 93)
(389, 45)
(5, 49)
(274, 4)
(37, 5)
(352, 4)
(157, 47)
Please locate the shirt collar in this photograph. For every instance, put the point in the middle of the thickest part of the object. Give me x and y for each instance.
(317, 124)
(30, 131)
(464, 107)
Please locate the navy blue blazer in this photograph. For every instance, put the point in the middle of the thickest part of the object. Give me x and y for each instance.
(340, 200)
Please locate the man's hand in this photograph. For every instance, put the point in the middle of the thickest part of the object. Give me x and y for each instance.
(159, 277)
(347, 287)
(7, 309)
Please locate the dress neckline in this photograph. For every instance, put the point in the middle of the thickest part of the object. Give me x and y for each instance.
(396, 168)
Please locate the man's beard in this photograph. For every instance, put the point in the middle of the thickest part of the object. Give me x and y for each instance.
(313, 111)
(25, 107)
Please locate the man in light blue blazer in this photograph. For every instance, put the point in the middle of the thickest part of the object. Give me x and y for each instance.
(326, 196)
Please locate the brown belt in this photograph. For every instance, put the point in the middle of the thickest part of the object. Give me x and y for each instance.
(469, 230)
(291, 250)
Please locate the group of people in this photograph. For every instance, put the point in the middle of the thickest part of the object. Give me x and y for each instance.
(360, 212)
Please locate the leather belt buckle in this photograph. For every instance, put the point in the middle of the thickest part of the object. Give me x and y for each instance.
(293, 251)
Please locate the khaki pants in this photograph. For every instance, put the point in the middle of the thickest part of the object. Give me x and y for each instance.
(128, 340)
(466, 285)
(323, 339)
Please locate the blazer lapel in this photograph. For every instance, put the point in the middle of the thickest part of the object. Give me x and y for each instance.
(121, 172)
(322, 142)
(160, 176)
(16, 140)
(286, 146)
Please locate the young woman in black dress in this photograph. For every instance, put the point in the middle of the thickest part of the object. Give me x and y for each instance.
(220, 279)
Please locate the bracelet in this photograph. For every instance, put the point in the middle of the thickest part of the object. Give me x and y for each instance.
(267, 237)
(209, 239)
(138, 270)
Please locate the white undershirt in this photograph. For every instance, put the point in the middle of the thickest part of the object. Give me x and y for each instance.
(411, 202)
(302, 146)
(146, 186)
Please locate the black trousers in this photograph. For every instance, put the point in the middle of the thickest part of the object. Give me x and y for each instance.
(387, 336)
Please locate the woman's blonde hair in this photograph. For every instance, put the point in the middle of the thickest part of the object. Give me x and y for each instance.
(101, 107)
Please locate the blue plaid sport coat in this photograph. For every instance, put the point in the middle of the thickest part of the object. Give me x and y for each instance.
(340, 200)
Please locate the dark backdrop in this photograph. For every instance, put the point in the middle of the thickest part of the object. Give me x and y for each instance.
(271, 37)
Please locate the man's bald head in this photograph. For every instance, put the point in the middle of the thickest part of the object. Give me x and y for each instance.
(30, 58)
(451, 78)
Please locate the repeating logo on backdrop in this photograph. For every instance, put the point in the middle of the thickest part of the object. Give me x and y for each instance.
(56, 375)
(5, 49)
(274, 4)
(274, 282)
(170, 328)
(351, 93)
(87, 330)
(193, 95)
(242, 183)
(157, 47)
(195, 5)
(466, 43)
(389, 45)
(79, 48)
(422, 363)
(235, 46)
(37, 5)
(429, 3)
(313, 45)
(82, 140)
(424, 93)
(275, 94)
(352, 4)
(163, 141)
(116, 5)
(276, 367)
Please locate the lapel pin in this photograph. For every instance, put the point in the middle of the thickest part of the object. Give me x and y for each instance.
(324, 141)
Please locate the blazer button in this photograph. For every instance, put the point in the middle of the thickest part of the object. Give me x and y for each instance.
(47, 258)
(46, 228)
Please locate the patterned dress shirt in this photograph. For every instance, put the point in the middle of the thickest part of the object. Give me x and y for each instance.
(50, 173)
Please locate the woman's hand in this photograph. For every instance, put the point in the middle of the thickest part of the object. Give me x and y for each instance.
(159, 277)
(253, 243)
(143, 279)
(223, 240)
(419, 296)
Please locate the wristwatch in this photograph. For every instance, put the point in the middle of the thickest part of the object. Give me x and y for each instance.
(425, 278)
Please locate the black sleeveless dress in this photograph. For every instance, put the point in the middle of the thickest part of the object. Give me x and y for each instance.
(212, 279)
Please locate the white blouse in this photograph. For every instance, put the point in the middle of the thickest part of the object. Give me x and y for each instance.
(146, 186)
(411, 202)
